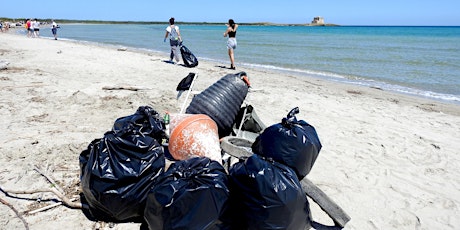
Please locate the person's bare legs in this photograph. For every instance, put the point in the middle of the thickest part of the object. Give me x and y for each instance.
(232, 58)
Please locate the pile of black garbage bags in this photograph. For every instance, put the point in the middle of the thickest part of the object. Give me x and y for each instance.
(124, 179)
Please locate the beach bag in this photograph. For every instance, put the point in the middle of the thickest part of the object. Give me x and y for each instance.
(118, 170)
(265, 195)
(191, 194)
(292, 142)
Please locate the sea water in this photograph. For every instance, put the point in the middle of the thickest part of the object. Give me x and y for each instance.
(421, 61)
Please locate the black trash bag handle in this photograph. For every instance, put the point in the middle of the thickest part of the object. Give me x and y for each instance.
(291, 119)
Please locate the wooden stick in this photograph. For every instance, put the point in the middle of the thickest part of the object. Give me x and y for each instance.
(45, 208)
(334, 211)
(53, 183)
(66, 201)
(26, 225)
(48, 207)
(132, 88)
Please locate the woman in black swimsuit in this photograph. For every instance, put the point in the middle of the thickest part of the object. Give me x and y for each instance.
(231, 42)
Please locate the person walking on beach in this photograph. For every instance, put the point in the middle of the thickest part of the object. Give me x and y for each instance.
(54, 28)
(175, 39)
(26, 26)
(231, 42)
(29, 28)
(36, 25)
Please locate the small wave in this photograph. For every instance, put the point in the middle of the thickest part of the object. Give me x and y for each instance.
(362, 82)
(407, 90)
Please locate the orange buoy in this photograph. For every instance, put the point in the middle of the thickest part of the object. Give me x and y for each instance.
(194, 135)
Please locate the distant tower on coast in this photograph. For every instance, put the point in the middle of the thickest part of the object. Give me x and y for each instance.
(318, 21)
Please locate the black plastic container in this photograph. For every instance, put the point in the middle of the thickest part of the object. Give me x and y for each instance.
(222, 101)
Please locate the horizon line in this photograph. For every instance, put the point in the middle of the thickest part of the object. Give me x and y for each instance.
(197, 22)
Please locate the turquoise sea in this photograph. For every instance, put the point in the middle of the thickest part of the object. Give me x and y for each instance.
(421, 61)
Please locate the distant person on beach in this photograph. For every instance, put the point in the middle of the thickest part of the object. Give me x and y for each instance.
(29, 28)
(231, 42)
(54, 27)
(6, 26)
(1, 26)
(172, 31)
(36, 25)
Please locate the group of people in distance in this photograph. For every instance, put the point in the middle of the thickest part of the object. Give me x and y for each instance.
(4, 26)
(175, 40)
(33, 28)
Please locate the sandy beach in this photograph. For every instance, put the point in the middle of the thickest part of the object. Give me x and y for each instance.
(389, 160)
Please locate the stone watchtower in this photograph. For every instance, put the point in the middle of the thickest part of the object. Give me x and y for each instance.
(318, 21)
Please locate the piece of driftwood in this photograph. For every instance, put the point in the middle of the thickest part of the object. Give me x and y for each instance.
(240, 148)
(44, 208)
(26, 225)
(66, 201)
(54, 189)
(48, 207)
(335, 212)
(50, 180)
(132, 88)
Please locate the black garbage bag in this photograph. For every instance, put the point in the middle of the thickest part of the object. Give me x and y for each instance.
(222, 101)
(291, 142)
(191, 194)
(118, 170)
(188, 57)
(265, 195)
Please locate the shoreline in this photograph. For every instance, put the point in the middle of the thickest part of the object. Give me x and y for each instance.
(384, 155)
(326, 75)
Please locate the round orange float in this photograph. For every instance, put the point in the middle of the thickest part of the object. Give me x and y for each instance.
(194, 135)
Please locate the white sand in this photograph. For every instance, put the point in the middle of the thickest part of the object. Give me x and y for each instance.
(390, 161)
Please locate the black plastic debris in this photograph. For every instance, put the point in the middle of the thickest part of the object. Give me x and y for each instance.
(222, 101)
(118, 170)
(292, 142)
(186, 82)
(191, 194)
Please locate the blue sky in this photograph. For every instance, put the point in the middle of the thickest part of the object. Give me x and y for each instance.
(342, 12)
